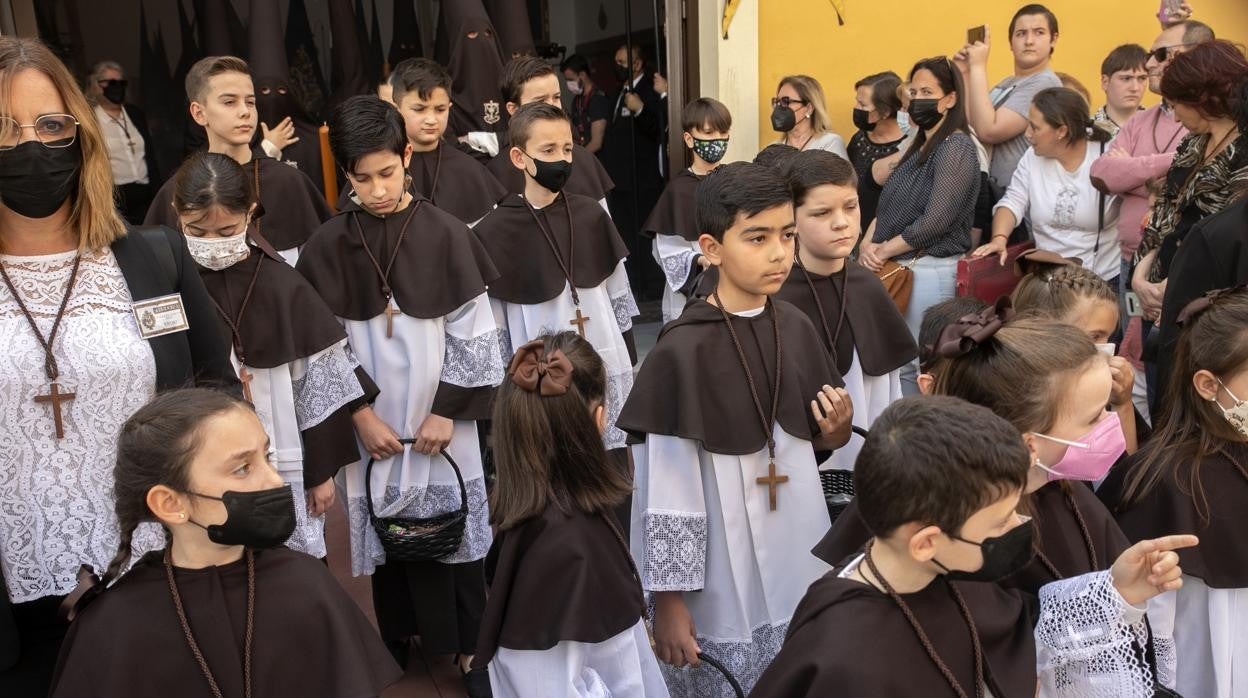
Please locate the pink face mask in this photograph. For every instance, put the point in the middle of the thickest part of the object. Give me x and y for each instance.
(1091, 457)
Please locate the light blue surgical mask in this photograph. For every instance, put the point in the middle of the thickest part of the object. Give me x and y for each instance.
(903, 120)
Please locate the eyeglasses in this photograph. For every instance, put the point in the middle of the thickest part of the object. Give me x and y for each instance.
(52, 130)
(785, 102)
(1160, 54)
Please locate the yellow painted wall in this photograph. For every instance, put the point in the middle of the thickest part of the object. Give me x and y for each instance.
(802, 36)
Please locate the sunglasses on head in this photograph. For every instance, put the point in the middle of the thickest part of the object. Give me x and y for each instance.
(785, 101)
(1160, 54)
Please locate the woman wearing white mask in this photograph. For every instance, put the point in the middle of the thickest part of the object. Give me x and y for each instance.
(1193, 475)
(289, 350)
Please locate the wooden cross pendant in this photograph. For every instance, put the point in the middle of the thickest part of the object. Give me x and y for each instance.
(390, 312)
(580, 321)
(772, 481)
(56, 397)
(244, 377)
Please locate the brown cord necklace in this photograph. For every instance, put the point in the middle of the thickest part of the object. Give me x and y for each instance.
(568, 267)
(190, 637)
(926, 642)
(772, 481)
(391, 309)
(54, 395)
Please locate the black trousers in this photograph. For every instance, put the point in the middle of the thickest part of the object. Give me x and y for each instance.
(443, 603)
(40, 635)
(629, 211)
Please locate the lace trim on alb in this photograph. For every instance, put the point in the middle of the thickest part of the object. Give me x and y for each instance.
(746, 661)
(675, 551)
(475, 362)
(327, 386)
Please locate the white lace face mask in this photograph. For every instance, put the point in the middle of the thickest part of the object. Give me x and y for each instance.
(218, 253)
(1236, 414)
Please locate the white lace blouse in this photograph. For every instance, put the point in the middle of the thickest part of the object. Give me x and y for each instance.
(56, 495)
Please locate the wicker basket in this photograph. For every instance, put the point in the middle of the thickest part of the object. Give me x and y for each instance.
(838, 485)
(416, 540)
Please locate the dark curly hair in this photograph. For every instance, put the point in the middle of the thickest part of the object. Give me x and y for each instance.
(1212, 77)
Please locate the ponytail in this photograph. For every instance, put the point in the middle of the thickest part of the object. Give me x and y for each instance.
(1055, 289)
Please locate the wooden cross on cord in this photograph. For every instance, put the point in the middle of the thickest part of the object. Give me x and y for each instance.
(244, 377)
(772, 481)
(580, 321)
(390, 312)
(56, 397)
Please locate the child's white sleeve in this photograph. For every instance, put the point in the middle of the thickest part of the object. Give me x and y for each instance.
(621, 294)
(669, 514)
(675, 255)
(1089, 640)
(1161, 610)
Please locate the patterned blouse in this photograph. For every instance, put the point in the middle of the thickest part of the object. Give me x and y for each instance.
(1192, 192)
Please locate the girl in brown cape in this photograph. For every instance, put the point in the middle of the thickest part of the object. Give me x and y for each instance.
(565, 610)
(222, 610)
(1193, 477)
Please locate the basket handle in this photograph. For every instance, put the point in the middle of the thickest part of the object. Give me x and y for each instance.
(732, 680)
(368, 480)
(858, 430)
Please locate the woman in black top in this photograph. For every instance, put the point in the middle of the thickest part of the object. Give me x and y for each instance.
(927, 205)
(876, 104)
(94, 320)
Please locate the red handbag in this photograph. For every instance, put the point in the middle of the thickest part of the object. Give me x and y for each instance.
(985, 278)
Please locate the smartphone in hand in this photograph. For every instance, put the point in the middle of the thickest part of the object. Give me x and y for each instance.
(975, 34)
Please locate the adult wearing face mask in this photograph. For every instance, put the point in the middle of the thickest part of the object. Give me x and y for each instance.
(126, 138)
(94, 321)
(800, 112)
(926, 209)
(590, 108)
(876, 105)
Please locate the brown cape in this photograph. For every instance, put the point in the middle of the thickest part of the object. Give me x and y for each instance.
(848, 639)
(873, 325)
(528, 271)
(310, 637)
(692, 386)
(557, 577)
(293, 208)
(452, 180)
(1057, 536)
(1221, 559)
(674, 212)
(440, 265)
(588, 178)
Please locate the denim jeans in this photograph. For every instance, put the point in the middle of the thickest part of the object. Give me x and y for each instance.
(935, 280)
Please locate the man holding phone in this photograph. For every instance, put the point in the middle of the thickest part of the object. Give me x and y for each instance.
(998, 116)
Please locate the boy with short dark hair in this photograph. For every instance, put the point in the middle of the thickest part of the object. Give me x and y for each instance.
(728, 409)
(857, 320)
(223, 101)
(407, 280)
(559, 257)
(705, 123)
(1124, 80)
(526, 80)
(448, 177)
(939, 481)
(935, 319)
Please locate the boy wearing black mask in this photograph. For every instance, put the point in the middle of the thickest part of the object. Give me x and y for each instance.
(938, 481)
(559, 258)
(706, 123)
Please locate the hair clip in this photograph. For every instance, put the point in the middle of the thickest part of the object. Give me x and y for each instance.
(959, 338)
(1193, 309)
(538, 371)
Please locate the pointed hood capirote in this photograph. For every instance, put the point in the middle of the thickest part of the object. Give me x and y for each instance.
(511, 19)
(220, 30)
(475, 63)
(405, 36)
(348, 74)
(267, 60)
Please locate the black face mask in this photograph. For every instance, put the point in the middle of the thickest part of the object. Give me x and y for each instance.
(862, 120)
(924, 114)
(262, 519)
(35, 179)
(115, 91)
(551, 174)
(783, 119)
(1003, 555)
(621, 74)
